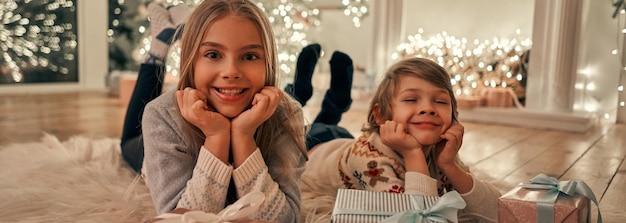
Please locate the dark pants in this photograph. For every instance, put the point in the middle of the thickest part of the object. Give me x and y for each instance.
(320, 133)
(149, 86)
(324, 128)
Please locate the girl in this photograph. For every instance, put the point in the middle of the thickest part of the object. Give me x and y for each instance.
(410, 144)
(227, 130)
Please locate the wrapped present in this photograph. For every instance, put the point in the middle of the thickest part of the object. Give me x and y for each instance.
(373, 206)
(467, 102)
(498, 97)
(545, 199)
(239, 211)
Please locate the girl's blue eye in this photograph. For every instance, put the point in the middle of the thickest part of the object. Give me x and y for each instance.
(212, 55)
(250, 56)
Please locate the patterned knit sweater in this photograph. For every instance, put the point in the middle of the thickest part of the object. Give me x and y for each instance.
(181, 173)
(366, 163)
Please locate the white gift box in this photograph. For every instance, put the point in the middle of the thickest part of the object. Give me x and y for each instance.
(374, 206)
(241, 210)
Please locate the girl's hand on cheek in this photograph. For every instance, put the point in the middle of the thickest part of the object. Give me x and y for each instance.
(263, 107)
(194, 109)
(450, 145)
(395, 136)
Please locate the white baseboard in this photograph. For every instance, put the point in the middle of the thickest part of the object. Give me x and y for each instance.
(570, 122)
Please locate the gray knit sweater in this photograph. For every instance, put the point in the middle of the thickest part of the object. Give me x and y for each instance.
(181, 173)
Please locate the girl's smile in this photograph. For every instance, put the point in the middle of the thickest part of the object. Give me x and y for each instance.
(230, 68)
(425, 125)
(230, 93)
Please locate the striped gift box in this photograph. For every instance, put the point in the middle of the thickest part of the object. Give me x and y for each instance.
(374, 206)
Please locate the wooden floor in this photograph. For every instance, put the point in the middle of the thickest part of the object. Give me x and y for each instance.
(504, 155)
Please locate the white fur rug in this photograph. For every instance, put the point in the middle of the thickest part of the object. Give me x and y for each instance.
(79, 180)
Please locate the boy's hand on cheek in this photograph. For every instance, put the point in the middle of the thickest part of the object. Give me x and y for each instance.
(450, 145)
(395, 136)
(194, 109)
(263, 107)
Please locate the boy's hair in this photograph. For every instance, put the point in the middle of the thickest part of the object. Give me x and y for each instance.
(422, 68)
(284, 119)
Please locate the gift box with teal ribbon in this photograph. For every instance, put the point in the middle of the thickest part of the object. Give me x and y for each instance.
(546, 199)
(383, 207)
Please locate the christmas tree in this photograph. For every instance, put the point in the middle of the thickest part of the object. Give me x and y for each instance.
(39, 42)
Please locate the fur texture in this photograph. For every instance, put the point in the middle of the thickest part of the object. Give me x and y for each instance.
(79, 180)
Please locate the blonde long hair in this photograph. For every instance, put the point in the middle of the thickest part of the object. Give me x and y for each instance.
(285, 119)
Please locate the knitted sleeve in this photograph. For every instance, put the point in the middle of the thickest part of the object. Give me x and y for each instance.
(421, 184)
(282, 196)
(482, 202)
(278, 180)
(177, 171)
(208, 186)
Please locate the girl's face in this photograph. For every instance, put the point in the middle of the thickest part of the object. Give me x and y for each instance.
(230, 67)
(425, 109)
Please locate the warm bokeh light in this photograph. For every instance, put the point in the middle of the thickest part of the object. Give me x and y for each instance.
(475, 64)
(38, 35)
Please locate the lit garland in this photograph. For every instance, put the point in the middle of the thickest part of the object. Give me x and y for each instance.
(127, 27)
(473, 65)
(38, 35)
(620, 5)
(357, 9)
(290, 21)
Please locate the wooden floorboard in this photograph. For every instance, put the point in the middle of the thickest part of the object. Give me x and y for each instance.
(554, 159)
(612, 204)
(512, 159)
(600, 163)
(605, 170)
(503, 155)
(26, 117)
(488, 142)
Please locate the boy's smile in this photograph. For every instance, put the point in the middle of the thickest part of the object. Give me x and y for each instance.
(424, 108)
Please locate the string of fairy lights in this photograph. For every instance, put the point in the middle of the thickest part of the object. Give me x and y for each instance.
(620, 8)
(37, 36)
(356, 9)
(473, 64)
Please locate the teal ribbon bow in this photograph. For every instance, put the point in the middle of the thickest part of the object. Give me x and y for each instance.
(443, 211)
(545, 204)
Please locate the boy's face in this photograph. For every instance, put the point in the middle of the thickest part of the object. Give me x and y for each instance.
(425, 109)
(230, 67)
